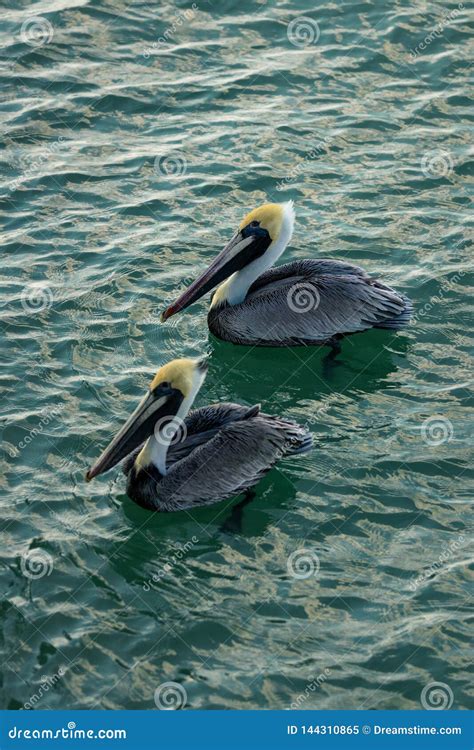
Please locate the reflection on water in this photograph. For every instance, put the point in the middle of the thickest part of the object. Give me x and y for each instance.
(133, 140)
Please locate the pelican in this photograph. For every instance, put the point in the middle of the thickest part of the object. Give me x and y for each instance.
(194, 459)
(306, 302)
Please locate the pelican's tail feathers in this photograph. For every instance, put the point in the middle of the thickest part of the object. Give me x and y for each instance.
(302, 444)
(402, 319)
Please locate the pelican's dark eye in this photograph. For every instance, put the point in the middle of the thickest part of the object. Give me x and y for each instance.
(162, 388)
(259, 236)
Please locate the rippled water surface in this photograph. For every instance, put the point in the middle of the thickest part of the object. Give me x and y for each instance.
(134, 137)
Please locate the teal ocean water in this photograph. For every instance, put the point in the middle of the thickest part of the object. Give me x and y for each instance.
(134, 137)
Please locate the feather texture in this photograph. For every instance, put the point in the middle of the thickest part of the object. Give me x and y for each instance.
(309, 302)
(227, 449)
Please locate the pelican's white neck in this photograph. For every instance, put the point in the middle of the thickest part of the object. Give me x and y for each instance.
(234, 290)
(168, 431)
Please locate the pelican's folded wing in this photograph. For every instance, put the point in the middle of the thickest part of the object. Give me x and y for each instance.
(311, 302)
(198, 428)
(229, 463)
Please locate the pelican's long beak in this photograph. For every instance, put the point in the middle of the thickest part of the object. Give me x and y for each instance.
(163, 401)
(239, 252)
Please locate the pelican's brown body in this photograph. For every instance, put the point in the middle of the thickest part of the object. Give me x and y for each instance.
(304, 303)
(336, 299)
(221, 450)
(227, 449)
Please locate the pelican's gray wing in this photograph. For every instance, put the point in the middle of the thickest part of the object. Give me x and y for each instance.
(200, 425)
(230, 462)
(310, 302)
(203, 424)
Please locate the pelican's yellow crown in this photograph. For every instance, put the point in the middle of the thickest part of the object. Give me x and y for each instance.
(269, 216)
(179, 373)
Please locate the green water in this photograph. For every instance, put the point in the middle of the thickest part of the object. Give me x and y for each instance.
(125, 167)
